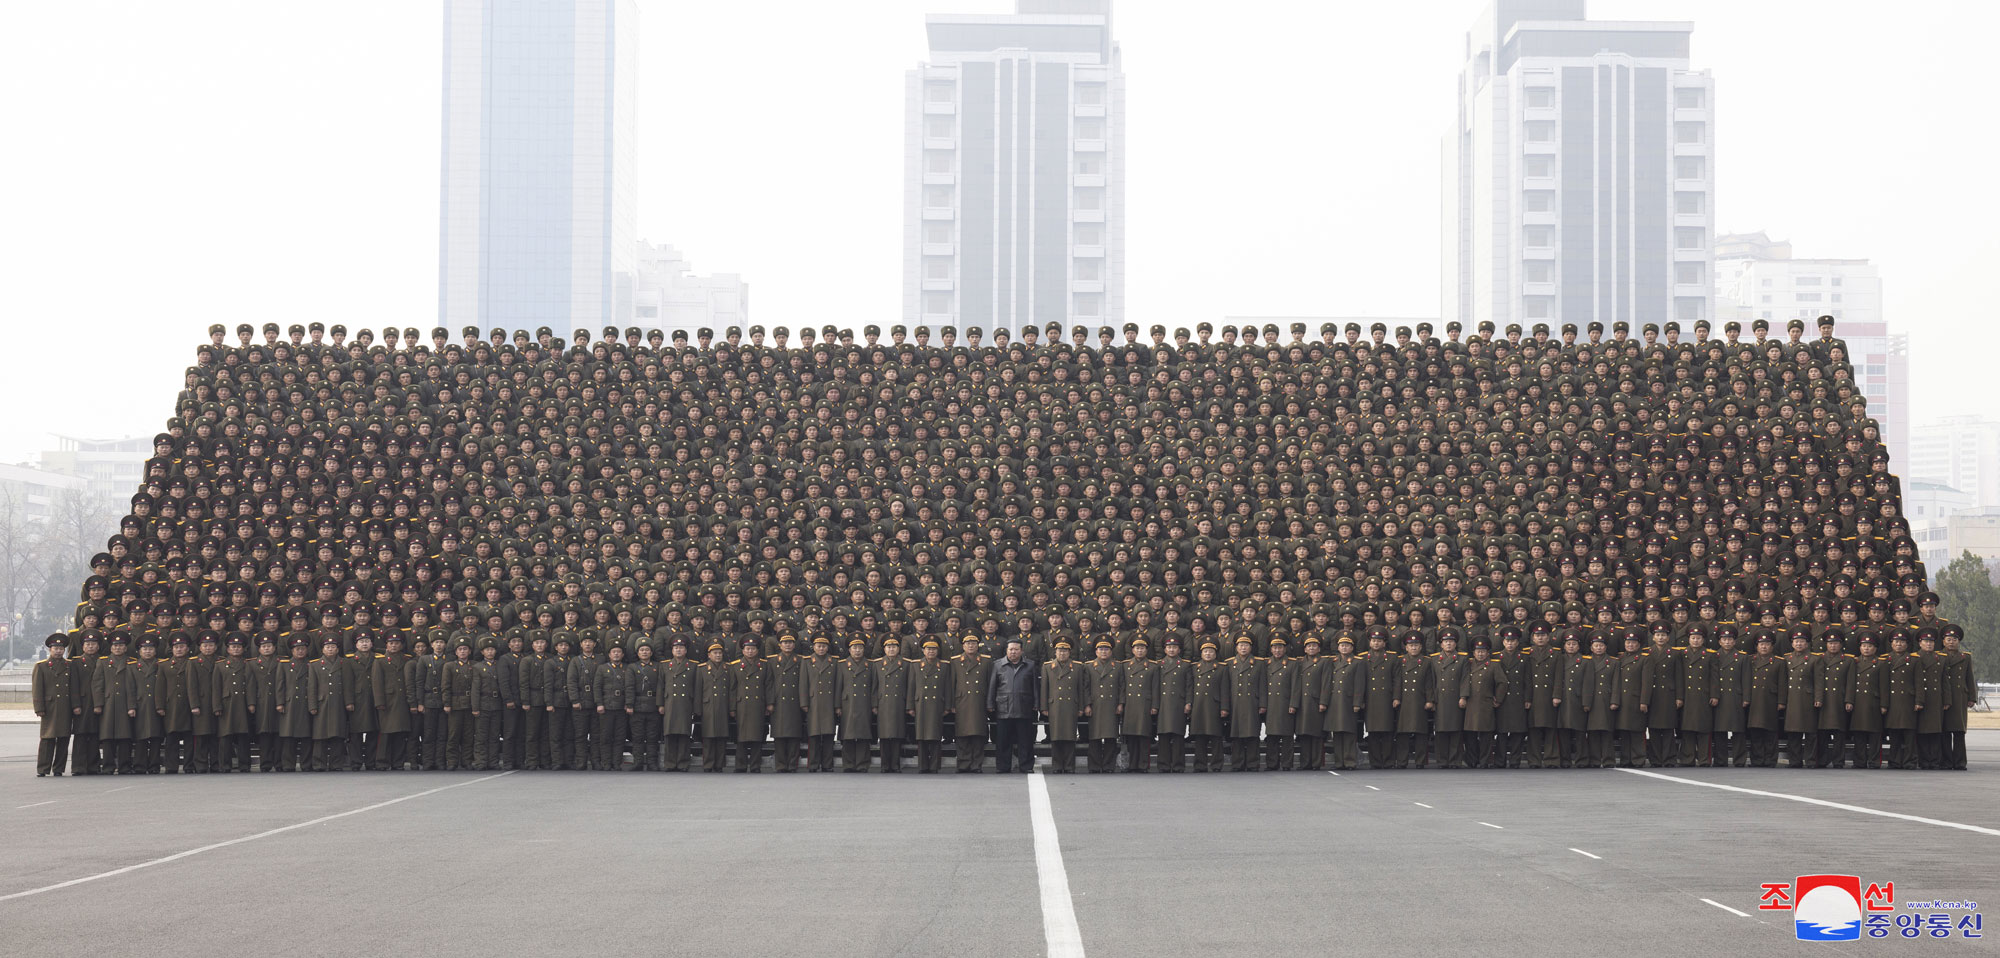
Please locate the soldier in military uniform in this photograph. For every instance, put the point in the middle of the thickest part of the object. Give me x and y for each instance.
(1309, 714)
(84, 756)
(1864, 706)
(586, 738)
(53, 690)
(233, 696)
(1448, 729)
(1062, 698)
(1764, 714)
(294, 706)
(819, 701)
(892, 703)
(112, 693)
(1961, 689)
(1281, 720)
(532, 684)
(1173, 703)
(929, 698)
(1663, 699)
(715, 699)
(971, 677)
(1381, 684)
(677, 705)
(562, 710)
(1247, 705)
(1930, 663)
(1698, 700)
(854, 695)
(1481, 694)
(1799, 703)
(1732, 684)
(1833, 687)
(1104, 695)
(329, 703)
(1139, 708)
(1510, 723)
(1900, 702)
(788, 719)
(1413, 714)
(614, 710)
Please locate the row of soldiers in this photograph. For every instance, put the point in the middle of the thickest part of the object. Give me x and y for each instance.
(1577, 705)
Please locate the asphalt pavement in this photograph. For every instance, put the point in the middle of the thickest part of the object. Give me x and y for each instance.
(1426, 862)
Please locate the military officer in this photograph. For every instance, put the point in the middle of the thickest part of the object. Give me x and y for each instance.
(892, 703)
(1062, 697)
(971, 677)
(854, 698)
(1104, 696)
(1247, 704)
(819, 700)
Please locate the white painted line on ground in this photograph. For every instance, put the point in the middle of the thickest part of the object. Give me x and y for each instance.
(1371, 788)
(1059, 929)
(177, 856)
(1420, 804)
(119, 789)
(1818, 801)
(1335, 774)
(1489, 824)
(36, 805)
(1587, 854)
(1739, 914)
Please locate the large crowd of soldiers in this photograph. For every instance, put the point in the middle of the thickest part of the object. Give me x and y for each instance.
(1588, 549)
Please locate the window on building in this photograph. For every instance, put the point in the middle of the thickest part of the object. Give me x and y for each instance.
(1690, 131)
(937, 267)
(1090, 198)
(1539, 201)
(1834, 298)
(1539, 131)
(1690, 98)
(937, 127)
(1090, 94)
(1687, 274)
(1805, 281)
(937, 233)
(1690, 237)
(1090, 128)
(1764, 298)
(1836, 281)
(937, 161)
(1764, 315)
(1874, 369)
(649, 312)
(1690, 203)
(1090, 304)
(1089, 234)
(1537, 237)
(1687, 309)
(1808, 297)
(1537, 307)
(1539, 98)
(938, 91)
(1538, 271)
(1766, 283)
(1090, 268)
(1090, 164)
(1690, 167)
(937, 197)
(937, 304)
(1539, 166)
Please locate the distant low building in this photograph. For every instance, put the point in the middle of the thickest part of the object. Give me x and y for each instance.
(31, 494)
(1929, 506)
(669, 295)
(111, 468)
(1962, 452)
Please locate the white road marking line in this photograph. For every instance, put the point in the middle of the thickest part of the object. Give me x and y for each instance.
(1587, 854)
(1818, 801)
(119, 789)
(1335, 774)
(177, 856)
(36, 805)
(1739, 914)
(1489, 824)
(1371, 788)
(1420, 804)
(1059, 929)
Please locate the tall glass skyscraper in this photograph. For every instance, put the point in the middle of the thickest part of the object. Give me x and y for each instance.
(1014, 155)
(536, 216)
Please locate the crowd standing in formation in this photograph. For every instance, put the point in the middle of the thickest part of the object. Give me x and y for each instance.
(1543, 549)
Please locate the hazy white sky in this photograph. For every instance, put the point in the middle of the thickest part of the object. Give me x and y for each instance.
(171, 165)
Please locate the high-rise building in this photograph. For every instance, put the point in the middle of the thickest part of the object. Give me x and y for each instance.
(1014, 196)
(537, 214)
(1962, 452)
(1759, 278)
(1579, 175)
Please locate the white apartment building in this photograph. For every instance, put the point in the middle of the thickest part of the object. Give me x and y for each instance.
(1579, 175)
(1014, 155)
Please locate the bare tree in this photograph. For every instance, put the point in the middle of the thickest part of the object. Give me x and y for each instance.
(76, 529)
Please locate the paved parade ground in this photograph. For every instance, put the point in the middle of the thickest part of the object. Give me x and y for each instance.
(1363, 863)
